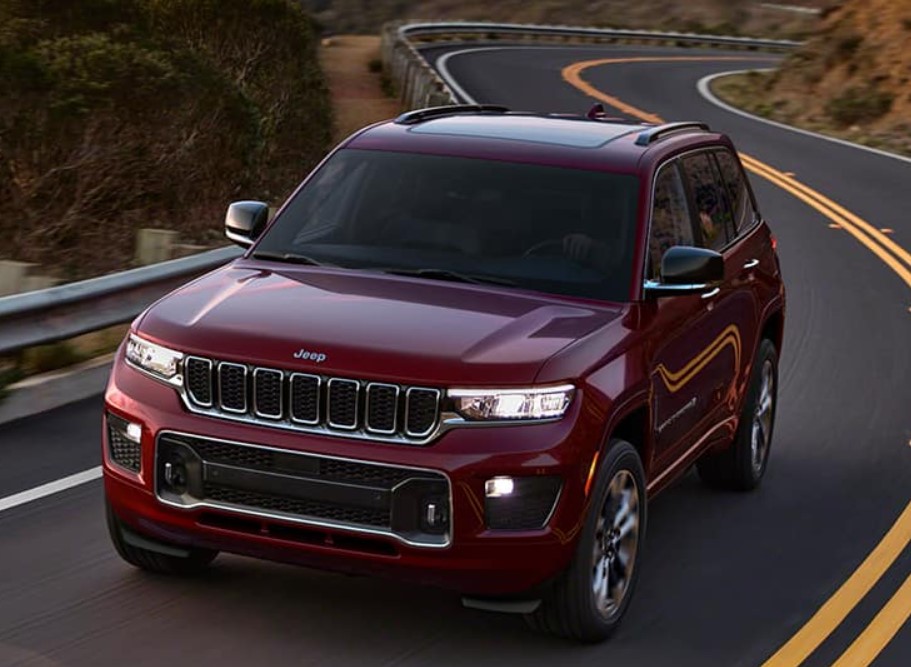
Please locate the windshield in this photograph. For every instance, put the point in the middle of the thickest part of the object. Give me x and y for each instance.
(549, 229)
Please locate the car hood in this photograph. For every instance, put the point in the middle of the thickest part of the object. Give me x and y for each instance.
(369, 325)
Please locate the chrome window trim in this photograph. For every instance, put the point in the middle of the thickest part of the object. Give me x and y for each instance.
(395, 414)
(673, 160)
(319, 391)
(221, 401)
(757, 217)
(357, 398)
(294, 518)
(281, 393)
(436, 421)
(186, 372)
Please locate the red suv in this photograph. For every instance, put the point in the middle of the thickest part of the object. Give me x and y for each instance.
(464, 353)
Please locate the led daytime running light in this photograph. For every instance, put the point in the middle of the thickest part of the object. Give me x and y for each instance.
(512, 404)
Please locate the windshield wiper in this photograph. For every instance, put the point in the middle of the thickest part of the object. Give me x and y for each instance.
(290, 257)
(453, 276)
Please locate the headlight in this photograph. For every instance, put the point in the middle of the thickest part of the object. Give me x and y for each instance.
(157, 360)
(504, 404)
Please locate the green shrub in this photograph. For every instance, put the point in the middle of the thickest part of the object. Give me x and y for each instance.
(120, 113)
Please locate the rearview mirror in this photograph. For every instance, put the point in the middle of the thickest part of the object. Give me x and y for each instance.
(687, 270)
(245, 221)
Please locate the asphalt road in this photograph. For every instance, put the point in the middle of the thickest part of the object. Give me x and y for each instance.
(726, 579)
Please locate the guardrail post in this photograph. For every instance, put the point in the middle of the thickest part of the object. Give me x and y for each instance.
(154, 245)
(13, 276)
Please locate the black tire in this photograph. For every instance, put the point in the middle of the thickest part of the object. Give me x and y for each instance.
(194, 562)
(571, 607)
(740, 467)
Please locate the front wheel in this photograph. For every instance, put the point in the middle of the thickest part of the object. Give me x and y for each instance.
(742, 466)
(155, 556)
(589, 599)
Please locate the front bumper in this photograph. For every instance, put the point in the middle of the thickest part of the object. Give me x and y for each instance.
(467, 556)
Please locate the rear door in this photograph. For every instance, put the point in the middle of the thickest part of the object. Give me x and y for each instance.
(723, 216)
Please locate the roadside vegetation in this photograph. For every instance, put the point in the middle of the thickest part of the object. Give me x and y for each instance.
(120, 114)
(731, 17)
(850, 80)
(353, 72)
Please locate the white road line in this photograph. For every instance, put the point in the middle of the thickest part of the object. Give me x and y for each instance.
(704, 87)
(443, 70)
(50, 488)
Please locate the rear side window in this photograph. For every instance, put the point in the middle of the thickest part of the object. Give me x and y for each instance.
(742, 205)
(671, 224)
(713, 214)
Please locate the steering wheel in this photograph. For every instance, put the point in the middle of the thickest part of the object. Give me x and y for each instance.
(546, 243)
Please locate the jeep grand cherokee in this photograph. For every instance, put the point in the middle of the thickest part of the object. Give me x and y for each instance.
(464, 352)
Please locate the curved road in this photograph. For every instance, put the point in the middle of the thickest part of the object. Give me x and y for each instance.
(727, 579)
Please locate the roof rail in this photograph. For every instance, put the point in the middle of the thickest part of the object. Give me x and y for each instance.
(653, 134)
(418, 115)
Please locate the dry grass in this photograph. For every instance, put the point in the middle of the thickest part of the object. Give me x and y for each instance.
(355, 91)
(850, 80)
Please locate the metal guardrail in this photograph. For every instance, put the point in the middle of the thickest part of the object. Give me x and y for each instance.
(58, 313)
(420, 86)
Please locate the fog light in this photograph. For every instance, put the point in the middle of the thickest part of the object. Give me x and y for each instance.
(133, 432)
(124, 442)
(497, 487)
(520, 503)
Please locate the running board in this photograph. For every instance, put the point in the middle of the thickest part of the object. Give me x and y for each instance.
(502, 606)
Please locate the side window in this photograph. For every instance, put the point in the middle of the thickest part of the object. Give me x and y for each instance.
(744, 214)
(713, 215)
(671, 224)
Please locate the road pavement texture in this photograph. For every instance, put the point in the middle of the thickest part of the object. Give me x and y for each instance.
(727, 579)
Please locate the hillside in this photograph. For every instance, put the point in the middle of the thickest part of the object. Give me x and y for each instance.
(720, 16)
(851, 78)
(118, 114)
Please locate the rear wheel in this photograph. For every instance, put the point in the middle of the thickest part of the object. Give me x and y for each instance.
(161, 558)
(589, 599)
(742, 466)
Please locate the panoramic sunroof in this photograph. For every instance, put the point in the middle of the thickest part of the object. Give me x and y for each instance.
(555, 131)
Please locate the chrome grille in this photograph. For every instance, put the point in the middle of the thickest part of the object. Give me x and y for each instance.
(382, 404)
(341, 403)
(267, 393)
(199, 380)
(305, 390)
(232, 387)
(308, 402)
(423, 410)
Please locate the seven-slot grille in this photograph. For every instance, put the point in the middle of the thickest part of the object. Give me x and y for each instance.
(311, 402)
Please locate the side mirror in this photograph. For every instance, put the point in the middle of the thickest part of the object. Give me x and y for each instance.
(687, 270)
(245, 221)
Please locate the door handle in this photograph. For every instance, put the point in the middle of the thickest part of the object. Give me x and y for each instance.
(711, 293)
(751, 264)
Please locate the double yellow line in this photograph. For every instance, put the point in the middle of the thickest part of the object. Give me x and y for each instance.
(896, 258)
(833, 612)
